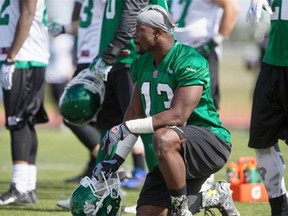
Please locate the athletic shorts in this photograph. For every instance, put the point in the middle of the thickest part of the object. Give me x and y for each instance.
(119, 87)
(24, 102)
(270, 107)
(204, 154)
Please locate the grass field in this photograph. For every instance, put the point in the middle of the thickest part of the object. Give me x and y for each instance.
(60, 155)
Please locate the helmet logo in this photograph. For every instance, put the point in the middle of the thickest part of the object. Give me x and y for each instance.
(90, 208)
(109, 208)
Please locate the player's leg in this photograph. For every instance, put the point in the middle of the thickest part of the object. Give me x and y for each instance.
(268, 124)
(24, 108)
(119, 88)
(204, 154)
(272, 168)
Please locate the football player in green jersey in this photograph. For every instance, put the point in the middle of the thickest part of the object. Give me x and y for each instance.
(172, 100)
(270, 100)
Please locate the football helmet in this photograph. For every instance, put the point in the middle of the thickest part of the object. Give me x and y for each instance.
(99, 198)
(82, 98)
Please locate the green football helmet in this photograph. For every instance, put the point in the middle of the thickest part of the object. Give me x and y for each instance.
(92, 197)
(82, 98)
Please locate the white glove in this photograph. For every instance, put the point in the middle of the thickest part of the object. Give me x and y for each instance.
(102, 69)
(255, 10)
(7, 70)
(55, 29)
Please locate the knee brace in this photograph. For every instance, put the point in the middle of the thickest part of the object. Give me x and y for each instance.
(271, 167)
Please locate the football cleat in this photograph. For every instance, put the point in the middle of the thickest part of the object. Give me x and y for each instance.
(131, 209)
(94, 197)
(65, 204)
(136, 181)
(33, 196)
(179, 206)
(82, 98)
(219, 196)
(14, 197)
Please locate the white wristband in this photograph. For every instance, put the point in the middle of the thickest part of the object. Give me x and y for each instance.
(125, 146)
(140, 126)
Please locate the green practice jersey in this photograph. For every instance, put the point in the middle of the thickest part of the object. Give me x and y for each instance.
(182, 66)
(122, 13)
(277, 48)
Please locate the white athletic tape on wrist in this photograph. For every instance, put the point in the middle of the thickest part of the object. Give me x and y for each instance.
(125, 146)
(140, 126)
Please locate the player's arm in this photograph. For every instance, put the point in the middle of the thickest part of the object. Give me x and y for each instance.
(27, 13)
(134, 109)
(76, 15)
(229, 17)
(125, 29)
(184, 101)
(56, 29)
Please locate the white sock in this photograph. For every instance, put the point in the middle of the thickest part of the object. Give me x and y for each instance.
(32, 177)
(20, 177)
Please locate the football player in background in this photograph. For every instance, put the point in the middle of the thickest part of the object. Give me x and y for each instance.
(172, 100)
(90, 15)
(116, 51)
(87, 30)
(204, 25)
(24, 54)
(270, 100)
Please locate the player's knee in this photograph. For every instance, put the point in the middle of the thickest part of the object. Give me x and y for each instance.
(14, 122)
(164, 141)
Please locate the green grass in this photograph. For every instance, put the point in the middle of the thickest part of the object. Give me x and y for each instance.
(61, 156)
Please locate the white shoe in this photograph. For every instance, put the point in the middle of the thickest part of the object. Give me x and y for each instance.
(208, 183)
(130, 209)
(64, 204)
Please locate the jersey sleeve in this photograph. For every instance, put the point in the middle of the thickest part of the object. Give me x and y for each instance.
(127, 25)
(193, 72)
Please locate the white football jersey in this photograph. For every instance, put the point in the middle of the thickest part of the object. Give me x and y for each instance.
(89, 30)
(36, 45)
(198, 21)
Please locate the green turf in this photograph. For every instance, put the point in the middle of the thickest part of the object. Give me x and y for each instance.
(61, 156)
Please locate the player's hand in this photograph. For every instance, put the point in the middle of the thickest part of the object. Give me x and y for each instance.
(7, 70)
(113, 136)
(255, 10)
(55, 29)
(112, 51)
(100, 68)
(206, 49)
(107, 167)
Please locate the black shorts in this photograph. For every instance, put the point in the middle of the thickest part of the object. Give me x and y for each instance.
(269, 119)
(25, 100)
(119, 87)
(204, 154)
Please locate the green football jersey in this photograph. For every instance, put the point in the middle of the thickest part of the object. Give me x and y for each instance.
(114, 9)
(182, 66)
(277, 48)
